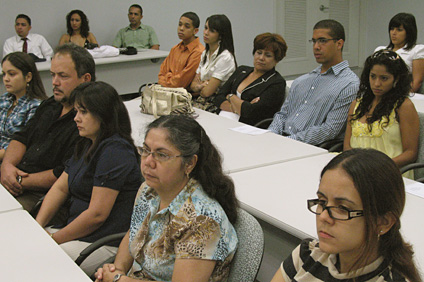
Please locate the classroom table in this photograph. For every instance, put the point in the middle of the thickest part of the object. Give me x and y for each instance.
(125, 72)
(240, 151)
(29, 254)
(277, 194)
(7, 201)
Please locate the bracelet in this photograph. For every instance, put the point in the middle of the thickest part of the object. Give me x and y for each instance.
(229, 97)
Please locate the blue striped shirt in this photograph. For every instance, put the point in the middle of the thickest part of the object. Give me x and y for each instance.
(17, 119)
(317, 105)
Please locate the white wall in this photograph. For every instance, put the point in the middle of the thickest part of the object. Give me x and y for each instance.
(248, 18)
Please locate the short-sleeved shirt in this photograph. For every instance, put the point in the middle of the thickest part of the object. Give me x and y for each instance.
(49, 139)
(143, 37)
(408, 56)
(193, 226)
(113, 165)
(217, 66)
(308, 263)
(18, 117)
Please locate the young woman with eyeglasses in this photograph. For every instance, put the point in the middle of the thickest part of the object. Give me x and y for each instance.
(383, 117)
(403, 40)
(359, 202)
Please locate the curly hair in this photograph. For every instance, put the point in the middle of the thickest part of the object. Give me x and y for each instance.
(394, 98)
(191, 139)
(84, 23)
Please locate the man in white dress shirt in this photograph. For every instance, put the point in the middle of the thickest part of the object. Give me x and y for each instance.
(25, 41)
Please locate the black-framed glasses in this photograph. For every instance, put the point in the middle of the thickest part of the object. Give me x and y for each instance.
(391, 55)
(322, 41)
(318, 206)
(158, 156)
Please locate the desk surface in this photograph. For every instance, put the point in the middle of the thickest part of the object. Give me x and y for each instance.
(277, 194)
(7, 201)
(29, 254)
(240, 151)
(144, 55)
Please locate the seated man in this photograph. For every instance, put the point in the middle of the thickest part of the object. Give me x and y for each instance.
(35, 157)
(179, 68)
(316, 107)
(137, 35)
(25, 41)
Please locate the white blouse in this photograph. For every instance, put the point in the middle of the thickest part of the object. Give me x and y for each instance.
(416, 53)
(219, 66)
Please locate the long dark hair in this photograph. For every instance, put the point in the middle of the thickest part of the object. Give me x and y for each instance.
(84, 23)
(102, 101)
(380, 186)
(409, 24)
(25, 64)
(222, 25)
(191, 139)
(394, 98)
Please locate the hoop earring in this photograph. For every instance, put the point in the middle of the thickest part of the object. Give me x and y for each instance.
(394, 84)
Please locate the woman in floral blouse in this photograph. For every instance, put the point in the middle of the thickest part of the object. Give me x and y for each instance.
(181, 227)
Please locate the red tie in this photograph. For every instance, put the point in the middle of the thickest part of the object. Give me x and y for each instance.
(25, 46)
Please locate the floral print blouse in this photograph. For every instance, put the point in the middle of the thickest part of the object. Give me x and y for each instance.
(193, 226)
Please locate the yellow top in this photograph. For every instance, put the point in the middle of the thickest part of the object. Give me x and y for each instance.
(383, 137)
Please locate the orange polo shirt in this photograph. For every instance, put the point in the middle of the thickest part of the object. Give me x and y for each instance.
(179, 68)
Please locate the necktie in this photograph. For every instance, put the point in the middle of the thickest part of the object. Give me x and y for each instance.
(25, 46)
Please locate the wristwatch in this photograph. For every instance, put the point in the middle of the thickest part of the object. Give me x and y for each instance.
(19, 179)
(117, 277)
(229, 97)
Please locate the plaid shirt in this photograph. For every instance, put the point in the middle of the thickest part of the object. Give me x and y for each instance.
(17, 119)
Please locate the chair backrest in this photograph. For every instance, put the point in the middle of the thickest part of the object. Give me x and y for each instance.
(419, 173)
(250, 249)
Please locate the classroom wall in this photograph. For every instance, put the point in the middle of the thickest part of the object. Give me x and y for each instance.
(248, 17)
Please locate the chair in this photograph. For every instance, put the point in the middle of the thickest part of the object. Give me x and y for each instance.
(248, 257)
(264, 124)
(333, 145)
(419, 164)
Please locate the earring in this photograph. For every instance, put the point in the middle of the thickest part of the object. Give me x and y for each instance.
(379, 234)
(187, 174)
(394, 84)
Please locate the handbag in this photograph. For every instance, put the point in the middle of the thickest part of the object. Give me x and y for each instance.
(160, 101)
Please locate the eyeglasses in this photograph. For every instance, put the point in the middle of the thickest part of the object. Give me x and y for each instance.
(387, 53)
(321, 41)
(318, 206)
(157, 156)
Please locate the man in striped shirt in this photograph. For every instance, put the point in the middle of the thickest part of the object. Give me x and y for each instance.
(316, 108)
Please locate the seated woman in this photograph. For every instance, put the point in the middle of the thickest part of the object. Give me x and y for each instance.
(359, 203)
(25, 91)
(403, 39)
(101, 179)
(216, 64)
(383, 117)
(78, 30)
(253, 94)
(181, 227)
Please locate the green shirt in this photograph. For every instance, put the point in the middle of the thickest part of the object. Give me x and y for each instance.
(144, 37)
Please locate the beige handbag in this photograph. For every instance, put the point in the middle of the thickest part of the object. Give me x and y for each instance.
(160, 101)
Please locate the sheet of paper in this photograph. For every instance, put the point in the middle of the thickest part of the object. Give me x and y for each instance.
(251, 130)
(415, 188)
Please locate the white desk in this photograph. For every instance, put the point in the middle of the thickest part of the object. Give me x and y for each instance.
(240, 151)
(7, 201)
(277, 194)
(125, 73)
(29, 254)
